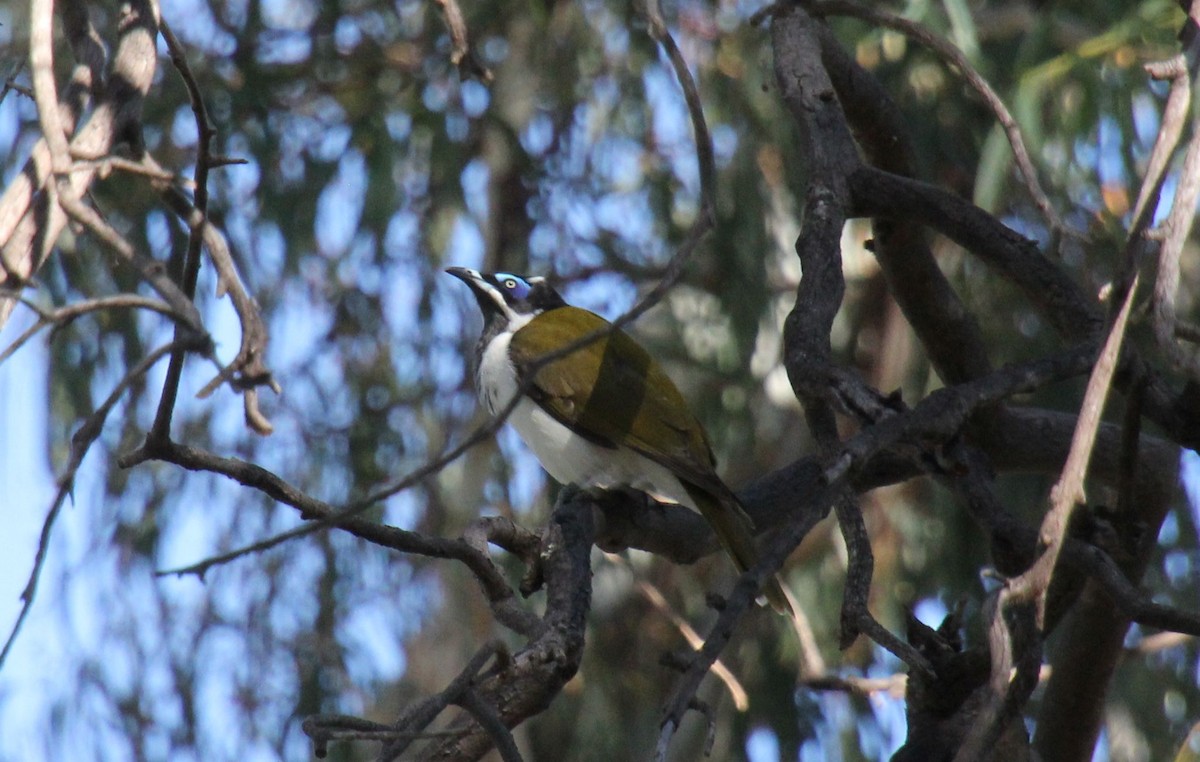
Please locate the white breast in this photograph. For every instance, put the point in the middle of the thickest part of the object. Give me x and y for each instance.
(566, 456)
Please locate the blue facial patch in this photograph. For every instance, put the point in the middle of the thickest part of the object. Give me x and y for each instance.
(513, 285)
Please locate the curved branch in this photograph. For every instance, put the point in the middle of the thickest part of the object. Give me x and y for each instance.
(955, 61)
(947, 329)
(30, 223)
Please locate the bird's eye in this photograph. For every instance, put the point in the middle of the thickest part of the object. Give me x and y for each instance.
(510, 284)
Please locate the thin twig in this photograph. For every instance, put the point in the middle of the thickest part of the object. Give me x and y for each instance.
(1176, 229)
(104, 165)
(161, 428)
(691, 94)
(462, 55)
(81, 442)
(11, 84)
(1068, 492)
(66, 314)
(499, 594)
(1173, 119)
(150, 270)
(247, 371)
(418, 716)
(893, 685)
(741, 700)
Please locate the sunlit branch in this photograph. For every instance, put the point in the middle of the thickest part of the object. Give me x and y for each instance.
(30, 217)
(463, 55)
(1175, 231)
(1068, 492)
(1024, 597)
(741, 700)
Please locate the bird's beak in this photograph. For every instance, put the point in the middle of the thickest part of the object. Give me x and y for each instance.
(490, 300)
(472, 278)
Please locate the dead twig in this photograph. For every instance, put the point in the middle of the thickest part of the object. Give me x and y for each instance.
(161, 428)
(63, 315)
(1068, 492)
(81, 442)
(741, 700)
(462, 54)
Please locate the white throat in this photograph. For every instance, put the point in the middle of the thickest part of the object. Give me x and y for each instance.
(497, 379)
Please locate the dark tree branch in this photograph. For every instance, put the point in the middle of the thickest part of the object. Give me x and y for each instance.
(539, 670)
(955, 61)
(1048, 287)
(948, 332)
(497, 590)
(1045, 284)
(161, 428)
(419, 716)
(832, 158)
(491, 721)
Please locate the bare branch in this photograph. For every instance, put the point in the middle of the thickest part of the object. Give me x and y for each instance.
(955, 60)
(489, 719)
(856, 617)
(463, 55)
(161, 428)
(1176, 229)
(1068, 492)
(149, 269)
(45, 92)
(1173, 119)
(64, 315)
(417, 717)
(104, 165)
(741, 700)
(539, 670)
(497, 590)
(947, 329)
(247, 370)
(893, 685)
(11, 84)
(691, 94)
(29, 222)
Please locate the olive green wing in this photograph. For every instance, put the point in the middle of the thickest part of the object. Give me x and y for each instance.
(613, 392)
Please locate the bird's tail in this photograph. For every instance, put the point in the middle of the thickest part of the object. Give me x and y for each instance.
(733, 528)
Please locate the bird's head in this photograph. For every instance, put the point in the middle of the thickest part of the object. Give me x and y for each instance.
(507, 300)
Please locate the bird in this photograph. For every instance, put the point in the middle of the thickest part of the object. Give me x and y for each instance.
(605, 415)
